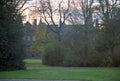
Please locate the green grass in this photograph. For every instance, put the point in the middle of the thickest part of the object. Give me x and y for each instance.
(33, 61)
(35, 70)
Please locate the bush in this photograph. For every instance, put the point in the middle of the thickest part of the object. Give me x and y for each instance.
(116, 60)
(69, 58)
(107, 62)
(53, 54)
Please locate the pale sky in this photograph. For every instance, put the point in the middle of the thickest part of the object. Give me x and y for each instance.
(27, 12)
(54, 3)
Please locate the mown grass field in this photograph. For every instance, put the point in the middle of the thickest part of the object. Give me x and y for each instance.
(35, 70)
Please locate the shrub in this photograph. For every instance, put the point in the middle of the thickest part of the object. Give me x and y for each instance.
(53, 54)
(69, 58)
(107, 62)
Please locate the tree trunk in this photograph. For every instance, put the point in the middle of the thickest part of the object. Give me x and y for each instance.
(59, 36)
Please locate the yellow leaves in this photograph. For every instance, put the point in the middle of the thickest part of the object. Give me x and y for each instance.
(41, 38)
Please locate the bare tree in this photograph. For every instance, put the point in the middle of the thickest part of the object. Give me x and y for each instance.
(82, 15)
(49, 12)
(19, 4)
(81, 12)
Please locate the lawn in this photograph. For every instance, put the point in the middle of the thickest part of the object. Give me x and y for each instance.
(35, 70)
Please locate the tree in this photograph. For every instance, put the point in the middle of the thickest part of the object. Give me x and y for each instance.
(109, 13)
(42, 38)
(49, 12)
(11, 34)
(108, 44)
(82, 12)
(81, 40)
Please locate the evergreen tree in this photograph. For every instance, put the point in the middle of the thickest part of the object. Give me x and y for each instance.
(11, 37)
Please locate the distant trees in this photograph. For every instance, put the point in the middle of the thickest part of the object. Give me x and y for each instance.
(95, 42)
(11, 36)
(91, 39)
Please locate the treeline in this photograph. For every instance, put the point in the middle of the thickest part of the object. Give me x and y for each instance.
(78, 50)
(91, 44)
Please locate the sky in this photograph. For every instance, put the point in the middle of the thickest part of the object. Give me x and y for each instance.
(36, 2)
